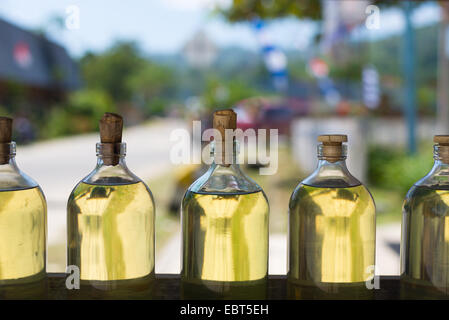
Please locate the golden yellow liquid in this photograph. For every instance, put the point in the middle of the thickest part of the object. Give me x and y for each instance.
(425, 243)
(331, 242)
(111, 233)
(225, 245)
(23, 227)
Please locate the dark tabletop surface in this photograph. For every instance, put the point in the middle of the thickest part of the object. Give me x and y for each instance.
(165, 287)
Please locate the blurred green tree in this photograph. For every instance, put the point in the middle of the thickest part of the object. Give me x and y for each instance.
(269, 9)
(153, 87)
(79, 114)
(241, 10)
(111, 70)
(219, 94)
(393, 169)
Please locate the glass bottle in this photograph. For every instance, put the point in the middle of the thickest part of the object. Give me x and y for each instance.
(224, 230)
(23, 225)
(110, 222)
(425, 231)
(331, 230)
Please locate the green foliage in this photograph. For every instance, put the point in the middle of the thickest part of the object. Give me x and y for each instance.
(351, 70)
(156, 106)
(111, 70)
(426, 97)
(152, 82)
(391, 173)
(269, 9)
(4, 111)
(129, 78)
(297, 70)
(220, 94)
(79, 114)
(393, 169)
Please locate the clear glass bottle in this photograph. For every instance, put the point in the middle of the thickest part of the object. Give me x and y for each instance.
(425, 231)
(225, 234)
(23, 228)
(331, 230)
(110, 225)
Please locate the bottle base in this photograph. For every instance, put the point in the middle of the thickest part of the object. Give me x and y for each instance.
(223, 290)
(34, 287)
(299, 290)
(135, 289)
(412, 289)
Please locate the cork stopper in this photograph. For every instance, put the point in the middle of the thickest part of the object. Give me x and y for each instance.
(224, 119)
(442, 140)
(332, 148)
(111, 127)
(5, 139)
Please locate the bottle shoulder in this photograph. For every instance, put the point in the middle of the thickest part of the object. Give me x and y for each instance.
(111, 175)
(115, 194)
(224, 180)
(225, 204)
(108, 176)
(304, 192)
(317, 179)
(16, 179)
(436, 178)
(433, 184)
(418, 193)
(331, 175)
(425, 201)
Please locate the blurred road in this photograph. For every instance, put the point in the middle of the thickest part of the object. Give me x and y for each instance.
(58, 165)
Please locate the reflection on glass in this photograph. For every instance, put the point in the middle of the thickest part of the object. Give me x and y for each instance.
(425, 256)
(22, 234)
(332, 237)
(226, 244)
(332, 229)
(111, 231)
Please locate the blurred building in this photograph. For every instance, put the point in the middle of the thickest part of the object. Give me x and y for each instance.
(200, 51)
(41, 68)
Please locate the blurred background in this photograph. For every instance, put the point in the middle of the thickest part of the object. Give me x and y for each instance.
(375, 70)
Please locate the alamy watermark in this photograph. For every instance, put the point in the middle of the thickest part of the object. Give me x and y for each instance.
(72, 282)
(372, 21)
(372, 281)
(72, 19)
(255, 147)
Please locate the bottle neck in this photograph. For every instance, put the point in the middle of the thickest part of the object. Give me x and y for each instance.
(9, 166)
(106, 162)
(332, 159)
(332, 153)
(331, 170)
(111, 166)
(11, 176)
(8, 158)
(440, 169)
(441, 154)
(225, 154)
(111, 154)
(224, 178)
(7, 152)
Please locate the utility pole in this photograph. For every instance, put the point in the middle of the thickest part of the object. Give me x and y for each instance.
(443, 71)
(409, 75)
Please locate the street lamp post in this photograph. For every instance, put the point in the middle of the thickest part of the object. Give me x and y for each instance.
(409, 75)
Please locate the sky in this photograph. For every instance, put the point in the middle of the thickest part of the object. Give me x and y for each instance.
(164, 26)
